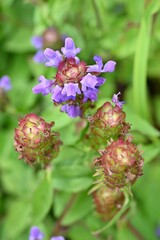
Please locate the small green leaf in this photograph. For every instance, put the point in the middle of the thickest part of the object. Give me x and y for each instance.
(41, 201)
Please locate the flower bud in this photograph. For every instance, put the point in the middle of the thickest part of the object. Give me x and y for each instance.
(108, 202)
(35, 141)
(121, 162)
(108, 122)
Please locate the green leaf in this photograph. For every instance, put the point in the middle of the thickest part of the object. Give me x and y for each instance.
(79, 209)
(41, 201)
(141, 124)
(72, 184)
(140, 98)
(18, 218)
(151, 151)
(80, 232)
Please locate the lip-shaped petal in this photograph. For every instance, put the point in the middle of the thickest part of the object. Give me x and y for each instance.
(35, 233)
(54, 57)
(71, 89)
(37, 42)
(116, 100)
(44, 86)
(72, 110)
(39, 57)
(88, 81)
(69, 50)
(109, 66)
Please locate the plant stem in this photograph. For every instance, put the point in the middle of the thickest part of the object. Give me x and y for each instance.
(136, 233)
(57, 228)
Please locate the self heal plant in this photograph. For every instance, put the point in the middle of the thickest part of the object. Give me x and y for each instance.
(5, 86)
(36, 234)
(76, 85)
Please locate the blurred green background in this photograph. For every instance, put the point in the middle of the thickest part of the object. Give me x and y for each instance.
(125, 31)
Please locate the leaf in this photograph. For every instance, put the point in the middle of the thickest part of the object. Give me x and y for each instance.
(18, 218)
(151, 151)
(140, 61)
(41, 201)
(141, 124)
(72, 184)
(79, 209)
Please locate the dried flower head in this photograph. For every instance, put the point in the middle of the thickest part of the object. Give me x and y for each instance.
(35, 141)
(121, 162)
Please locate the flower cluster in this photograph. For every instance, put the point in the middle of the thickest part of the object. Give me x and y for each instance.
(120, 163)
(35, 141)
(49, 38)
(75, 85)
(36, 234)
(108, 122)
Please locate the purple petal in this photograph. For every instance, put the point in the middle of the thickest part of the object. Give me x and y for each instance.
(116, 100)
(57, 94)
(57, 238)
(88, 81)
(5, 83)
(37, 42)
(71, 89)
(39, 57)
(90, 94)
(54, 57)
(69, 50)
(44, 86)
(109, 66)
(35, 234)
(98, 66)
(101, 81)
(72, 110)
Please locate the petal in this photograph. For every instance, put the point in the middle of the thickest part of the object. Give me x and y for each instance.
(116, 100)
(88, 81)
(35, 233)
(44, 86)
(69, 50)
(57, 238)
(100, 81)
(5, 83)
(39, 57)
(96, 67)
(54, 57)
(72, 110)
(109, 66)
(37, 42)
(71, 89)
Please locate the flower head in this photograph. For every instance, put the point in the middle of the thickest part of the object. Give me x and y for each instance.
(5, 83)
(75, 85)
(35, 234)
(35, 141)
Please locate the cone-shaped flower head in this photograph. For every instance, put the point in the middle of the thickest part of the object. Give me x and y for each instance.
(75, 85)
(108, 202)
(35, 141)
(108, 122)
(121, 162)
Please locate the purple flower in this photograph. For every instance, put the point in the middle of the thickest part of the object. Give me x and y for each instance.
(88, 81)
(71, 89)
(37, 42)
(100, 82)
(54, 57)
(90, 94)
(72, 110)
(5, 83)
(116, 100)
(69, 50)
(108, 67)
(57, 94)
(39, 57)
(57, 238)
(35, 234)
(44, 86)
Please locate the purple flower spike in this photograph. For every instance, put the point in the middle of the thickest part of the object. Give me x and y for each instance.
(57, 238)
(70, 89)
(72, 110)
(54, 57)
(109, 66)
(39, 57)
(116, 100)
(88, 81)
(44, 86)
(37, 42)
(69, 50)
(35, 234)
(5, 83)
